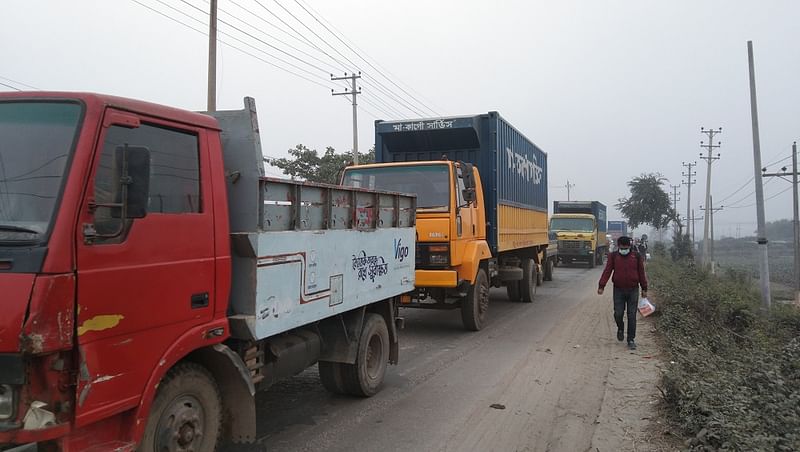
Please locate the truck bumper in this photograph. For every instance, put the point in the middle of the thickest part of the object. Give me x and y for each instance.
(436, 278)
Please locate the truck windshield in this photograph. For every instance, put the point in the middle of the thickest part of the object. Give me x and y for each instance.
(36, 140)
(572, 224)
(431, 183)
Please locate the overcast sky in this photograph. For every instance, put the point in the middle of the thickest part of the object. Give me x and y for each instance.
(609, 89)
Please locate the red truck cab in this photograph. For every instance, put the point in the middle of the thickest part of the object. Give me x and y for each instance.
(151, 272)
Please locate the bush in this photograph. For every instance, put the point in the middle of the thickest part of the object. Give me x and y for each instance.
(734, 378)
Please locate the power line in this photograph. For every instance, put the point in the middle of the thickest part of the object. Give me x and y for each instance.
(9, 86)
(313, 45)
(204, 33)
(362, 58)
(379, 86)
(18, 83)
(321, 69)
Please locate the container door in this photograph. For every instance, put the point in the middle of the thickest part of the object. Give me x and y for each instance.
(142, 282)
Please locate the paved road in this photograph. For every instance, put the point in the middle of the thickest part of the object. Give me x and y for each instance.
(544, 366)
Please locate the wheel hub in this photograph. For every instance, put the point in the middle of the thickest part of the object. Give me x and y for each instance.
(180, 428)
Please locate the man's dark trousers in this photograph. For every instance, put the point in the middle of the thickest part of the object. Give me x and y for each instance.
(626, 300)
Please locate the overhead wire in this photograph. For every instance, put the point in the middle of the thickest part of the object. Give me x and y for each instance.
(9, 86)
(308, 9)
(204, 33)
(18, 83)
(377, 85)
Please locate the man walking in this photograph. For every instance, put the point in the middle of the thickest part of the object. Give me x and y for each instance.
(628, 269)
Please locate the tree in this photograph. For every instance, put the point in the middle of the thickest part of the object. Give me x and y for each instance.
(308, 165)
(648, 204)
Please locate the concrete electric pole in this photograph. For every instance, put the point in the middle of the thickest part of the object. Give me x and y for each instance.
(675, 204)
(212, 57)
(795, 218)
(689, 174)
(352, 91)
(766, 296)
(710, 159)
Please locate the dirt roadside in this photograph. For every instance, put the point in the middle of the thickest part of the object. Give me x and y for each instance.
(578, 390)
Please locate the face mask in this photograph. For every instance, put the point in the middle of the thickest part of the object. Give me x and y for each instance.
(624, 251)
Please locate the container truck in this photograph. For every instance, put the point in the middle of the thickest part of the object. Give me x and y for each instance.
(481, 191)
(580, 228)
(153, 279)
(616, 229)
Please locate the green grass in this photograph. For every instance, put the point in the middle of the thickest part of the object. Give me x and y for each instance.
(733, 379)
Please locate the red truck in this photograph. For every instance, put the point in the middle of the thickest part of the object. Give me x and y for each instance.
(153, 279)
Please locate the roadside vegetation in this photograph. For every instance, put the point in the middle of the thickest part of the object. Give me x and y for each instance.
(732, 381)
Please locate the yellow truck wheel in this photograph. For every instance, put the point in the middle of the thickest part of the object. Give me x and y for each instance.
(529, 277)
(476, 304)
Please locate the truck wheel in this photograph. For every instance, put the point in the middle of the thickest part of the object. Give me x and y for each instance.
(365, 377)
(592, 261)
(528, 284)
(600, 258)
(512, 289)
(186, 413)
(331, 376)
(475, 305)
(548, 269)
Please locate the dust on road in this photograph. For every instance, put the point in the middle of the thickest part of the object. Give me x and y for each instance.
(546, 376)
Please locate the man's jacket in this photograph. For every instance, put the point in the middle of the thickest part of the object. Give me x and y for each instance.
(628, 271)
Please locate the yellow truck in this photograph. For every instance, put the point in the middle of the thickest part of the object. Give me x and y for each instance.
(580, 230)
(482, 222)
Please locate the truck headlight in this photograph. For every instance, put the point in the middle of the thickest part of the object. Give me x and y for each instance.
(439, 255)
(6, 402)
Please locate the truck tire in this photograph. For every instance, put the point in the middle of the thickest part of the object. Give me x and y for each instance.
(592, 261)
(332, 377)
(512, 289)
(548, 269)
(186, 413)
(600, 257)
(529, 277)
(365, 376)
(475, 305)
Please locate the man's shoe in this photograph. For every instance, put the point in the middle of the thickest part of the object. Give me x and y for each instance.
(631, 345)
(620, 335)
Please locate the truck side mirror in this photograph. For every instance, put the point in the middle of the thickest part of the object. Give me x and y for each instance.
(466, 174)
(134, 163)
(469, 195)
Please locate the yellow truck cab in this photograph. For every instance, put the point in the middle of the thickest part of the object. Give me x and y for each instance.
(580, 230)
(481, 191)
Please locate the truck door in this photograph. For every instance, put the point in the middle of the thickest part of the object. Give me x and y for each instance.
(140, 291)
(465, 226)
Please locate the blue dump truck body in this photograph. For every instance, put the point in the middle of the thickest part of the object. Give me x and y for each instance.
(513, 170)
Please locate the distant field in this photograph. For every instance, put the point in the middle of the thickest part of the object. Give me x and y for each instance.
(742, 255)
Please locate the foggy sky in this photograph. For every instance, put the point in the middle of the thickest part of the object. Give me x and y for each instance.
(609, 89)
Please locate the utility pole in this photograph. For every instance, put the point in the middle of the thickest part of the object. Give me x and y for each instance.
(353, 91)
(766, 297)
(796, 217)
(694, 239)
(712, 209)
(710, 159)
(212, 57)
(569, 187)
(675, 203)
(689, 174)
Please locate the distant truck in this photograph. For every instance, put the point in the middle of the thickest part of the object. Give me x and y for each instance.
(580, 229)
(481, 191)
(153, 278)
(616, 229)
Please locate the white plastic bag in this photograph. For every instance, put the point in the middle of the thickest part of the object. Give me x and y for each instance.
(646, 308)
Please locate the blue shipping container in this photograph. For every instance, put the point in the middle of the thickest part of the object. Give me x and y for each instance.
(513, 169)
